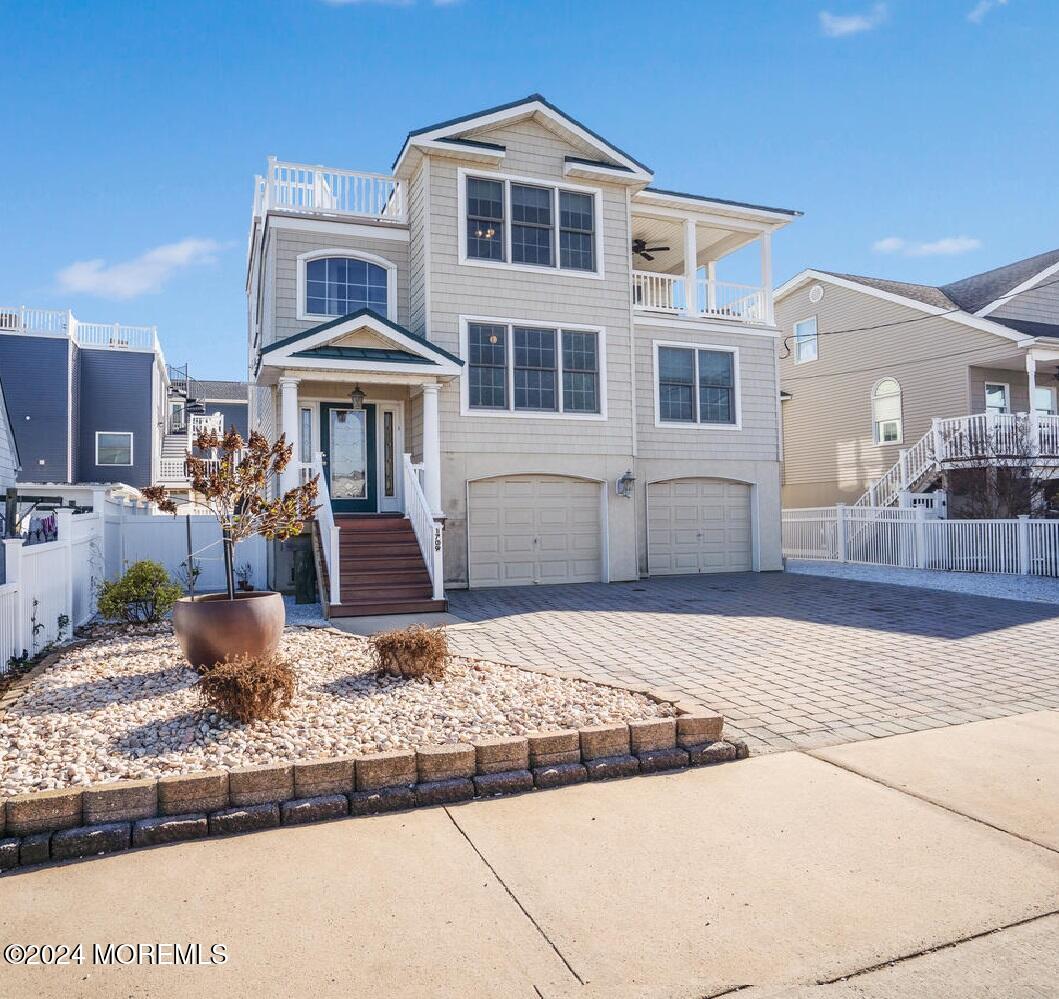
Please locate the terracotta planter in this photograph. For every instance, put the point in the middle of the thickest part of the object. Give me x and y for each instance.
(212, 627)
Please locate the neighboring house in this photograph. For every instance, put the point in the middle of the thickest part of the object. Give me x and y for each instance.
(9, 460)
(972, 355)
(95, 403)
(548, 336)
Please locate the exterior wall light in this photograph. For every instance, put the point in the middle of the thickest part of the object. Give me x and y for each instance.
(623, 485)
(357, 396)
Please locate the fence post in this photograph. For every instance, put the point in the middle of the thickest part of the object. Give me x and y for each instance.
(13, 562)
(65, 519)
(921, 537)
(841, 530)
(1024, 544)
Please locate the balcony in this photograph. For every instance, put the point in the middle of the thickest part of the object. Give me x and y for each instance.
(667, 293)
(301, 189)
(61, 322)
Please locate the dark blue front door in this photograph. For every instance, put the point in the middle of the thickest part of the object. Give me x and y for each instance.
(347, 439)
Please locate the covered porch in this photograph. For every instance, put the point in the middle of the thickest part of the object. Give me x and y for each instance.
(357, 398)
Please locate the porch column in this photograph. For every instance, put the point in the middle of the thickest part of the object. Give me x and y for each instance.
(431, 449)
(1031, 384)
(766, 274)
(691, 257)
(288, 424)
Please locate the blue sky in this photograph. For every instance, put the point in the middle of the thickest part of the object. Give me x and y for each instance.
(919, 139)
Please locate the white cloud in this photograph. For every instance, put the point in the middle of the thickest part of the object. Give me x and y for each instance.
(840, 25)
(978, 12)
(947, 246)
(143, 274)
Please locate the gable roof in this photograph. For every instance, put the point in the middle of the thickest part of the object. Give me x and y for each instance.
(533, 104)
(974, 293)
(925, 293)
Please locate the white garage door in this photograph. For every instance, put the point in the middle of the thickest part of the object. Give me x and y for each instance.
(527, 529)
(698, 525)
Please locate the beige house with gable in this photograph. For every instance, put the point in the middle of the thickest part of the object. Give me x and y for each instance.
(515, 361)
(871, 369)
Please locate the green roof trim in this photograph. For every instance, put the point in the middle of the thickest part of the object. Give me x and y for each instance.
(361, 314)
(380, 354)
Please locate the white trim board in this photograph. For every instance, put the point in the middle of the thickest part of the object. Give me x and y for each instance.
(736, 378)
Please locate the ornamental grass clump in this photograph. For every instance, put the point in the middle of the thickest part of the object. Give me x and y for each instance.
(249, 689)
(144, 594)
(415, 653)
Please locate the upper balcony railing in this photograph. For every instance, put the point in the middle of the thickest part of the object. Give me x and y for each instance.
(667, 293)
(320, 190)
(61, 322)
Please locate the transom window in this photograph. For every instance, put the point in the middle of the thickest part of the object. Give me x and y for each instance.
(541, 219)
(529, 369)
(696, 385)
(996, 398)
(337, 286)
(886, 412)
(113, 448)
(805, 341)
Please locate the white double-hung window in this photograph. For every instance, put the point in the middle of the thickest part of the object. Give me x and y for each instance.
(886, 412)
(805, 341)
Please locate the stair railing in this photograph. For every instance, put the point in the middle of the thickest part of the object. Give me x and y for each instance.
(427, 530)
(325, 519)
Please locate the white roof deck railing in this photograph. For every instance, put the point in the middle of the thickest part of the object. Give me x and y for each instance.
(61, 322)
(320, 190)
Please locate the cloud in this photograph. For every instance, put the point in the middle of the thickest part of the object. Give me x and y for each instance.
(978, 12)
(840, 25)
(139, 276)
(947, 246)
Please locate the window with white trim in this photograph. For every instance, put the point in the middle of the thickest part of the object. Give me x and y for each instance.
(529, 369)
(542, 218)
(337, 286)
(696, 385)
(113, 448)
(997, 400)
(1044, 402)
(886, 412)
(805, 341)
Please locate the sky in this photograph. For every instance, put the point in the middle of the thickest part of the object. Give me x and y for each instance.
(920, 139)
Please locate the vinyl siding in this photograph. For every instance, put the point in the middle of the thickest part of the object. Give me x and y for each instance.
(829, 452)
(285, 247)
(36, 380)
(8, 457)
(117, 395)
(1039, 305)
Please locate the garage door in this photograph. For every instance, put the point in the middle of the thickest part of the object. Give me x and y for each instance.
(698, 525)
(527, 529)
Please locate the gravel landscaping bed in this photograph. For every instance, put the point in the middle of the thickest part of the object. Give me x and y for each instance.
(126, 707)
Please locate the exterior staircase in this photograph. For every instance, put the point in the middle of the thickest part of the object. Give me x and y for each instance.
(174, 451)
(381, 568)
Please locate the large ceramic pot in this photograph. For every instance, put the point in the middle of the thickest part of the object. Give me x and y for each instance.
(211, 627)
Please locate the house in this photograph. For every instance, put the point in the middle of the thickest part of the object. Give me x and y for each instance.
(9, 460)
(887, 383)
(554, 370)
(96, 403)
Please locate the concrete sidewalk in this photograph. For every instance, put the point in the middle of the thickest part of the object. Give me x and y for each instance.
(776, 873)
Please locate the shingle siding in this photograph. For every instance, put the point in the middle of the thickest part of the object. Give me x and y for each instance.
(1039, 305)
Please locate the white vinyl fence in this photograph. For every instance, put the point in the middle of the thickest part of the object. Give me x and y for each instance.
(907, 538)
(60, 579)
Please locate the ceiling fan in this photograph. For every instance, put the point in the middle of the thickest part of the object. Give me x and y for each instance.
(640, 246)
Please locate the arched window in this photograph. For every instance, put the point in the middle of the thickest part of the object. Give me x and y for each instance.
(337, 286)
(886, 412)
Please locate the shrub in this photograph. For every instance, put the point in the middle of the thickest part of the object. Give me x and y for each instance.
(248, 689)
(415, 653)
(145, 593)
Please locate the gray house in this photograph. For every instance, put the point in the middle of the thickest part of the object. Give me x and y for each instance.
(96, 403)
(9, 460)
(515, 361)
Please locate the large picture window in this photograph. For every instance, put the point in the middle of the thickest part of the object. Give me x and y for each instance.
(697, 385)
(530, 225)
(113, 448)
(337, 286)
(530, 369)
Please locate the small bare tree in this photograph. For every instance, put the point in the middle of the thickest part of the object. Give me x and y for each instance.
(1002, 473)
(232, 486)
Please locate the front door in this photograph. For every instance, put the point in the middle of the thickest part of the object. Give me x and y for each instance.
(347, 439)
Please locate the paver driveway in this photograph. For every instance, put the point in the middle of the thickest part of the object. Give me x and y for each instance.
(790, 660)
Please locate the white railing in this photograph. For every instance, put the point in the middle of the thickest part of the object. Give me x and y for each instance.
(175, 469)
(329, 530)
(428, 531)
(200, 423)
(61, 322)
(299, 187)
(988, 438)
(908, 538)
(656, 292)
